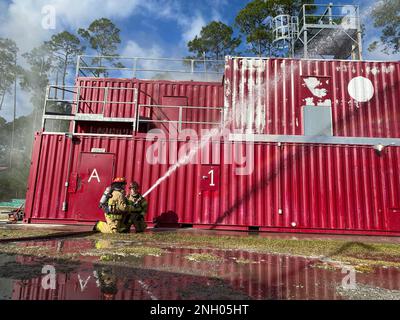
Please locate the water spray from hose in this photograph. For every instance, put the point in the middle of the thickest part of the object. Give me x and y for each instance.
(189, 156)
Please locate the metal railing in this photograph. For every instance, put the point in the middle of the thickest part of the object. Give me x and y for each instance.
(180, 121)
(68, 103)
(78, 101)
(149, 68)
(285, 29)
(320, 15)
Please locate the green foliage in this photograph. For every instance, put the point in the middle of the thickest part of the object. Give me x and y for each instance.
(8, 68)
(64, 44)
(251, 21)
(13, 180)
(386, 15)
(64, 47)
(57, 54)
(36, 77)
(103, 36)
(290, 7)
(4, 141)
(214, 42)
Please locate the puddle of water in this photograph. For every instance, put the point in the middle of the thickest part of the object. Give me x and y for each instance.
(177, 273)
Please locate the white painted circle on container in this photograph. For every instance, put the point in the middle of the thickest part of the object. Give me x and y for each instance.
(361, 89)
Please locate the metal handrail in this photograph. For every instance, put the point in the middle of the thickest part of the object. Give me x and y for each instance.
(147, 58)
(136, 119)
(149, 70)
(191, 66)
(326, 14)
(184, 107)
(180, 121)
(78, 101)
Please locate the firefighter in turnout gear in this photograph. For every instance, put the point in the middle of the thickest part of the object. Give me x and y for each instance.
(115, 207)
(137, 209)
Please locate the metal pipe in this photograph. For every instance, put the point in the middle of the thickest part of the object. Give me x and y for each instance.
(135, 111)
(134, 67)
(105, 99)
(180, 119)
(77, 66)
(68, 172)
(305, 44)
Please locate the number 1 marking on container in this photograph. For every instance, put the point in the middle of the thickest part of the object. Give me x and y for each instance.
(211, 173)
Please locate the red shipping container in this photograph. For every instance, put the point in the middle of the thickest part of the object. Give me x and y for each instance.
(343, 182)
(267, 95)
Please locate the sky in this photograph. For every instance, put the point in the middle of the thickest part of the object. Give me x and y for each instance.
(149, 28)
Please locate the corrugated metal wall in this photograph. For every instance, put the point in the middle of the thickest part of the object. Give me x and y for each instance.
(267, 95)
(292, 187)
(121, 97)
(97, 90)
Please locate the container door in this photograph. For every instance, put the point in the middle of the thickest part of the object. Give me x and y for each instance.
(95, 173)
(209, 178)
(209, 189)
(174, 111)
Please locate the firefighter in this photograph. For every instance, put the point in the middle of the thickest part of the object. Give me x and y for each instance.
(116, 209)
(137, 209)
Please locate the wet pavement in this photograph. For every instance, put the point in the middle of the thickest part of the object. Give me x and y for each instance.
(103, 269)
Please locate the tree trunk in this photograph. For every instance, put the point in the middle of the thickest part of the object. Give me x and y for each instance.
(64, 75)
(2, 99)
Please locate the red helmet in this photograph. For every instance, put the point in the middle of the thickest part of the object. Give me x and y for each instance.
(119, 180)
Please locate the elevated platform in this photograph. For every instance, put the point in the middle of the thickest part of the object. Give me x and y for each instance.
(124, 107)
(149, 68)
(321, 31)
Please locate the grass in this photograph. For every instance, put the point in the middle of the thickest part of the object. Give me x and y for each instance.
(244, 261)
(18, 233)
(203, 257)
(354, 252)
(130, 251)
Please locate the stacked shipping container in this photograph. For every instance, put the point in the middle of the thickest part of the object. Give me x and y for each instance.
(336, 183)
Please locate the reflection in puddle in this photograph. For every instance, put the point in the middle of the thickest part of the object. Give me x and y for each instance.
(119, 271)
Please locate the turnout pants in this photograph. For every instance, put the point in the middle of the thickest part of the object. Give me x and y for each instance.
(136, 219)
(113, 224)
